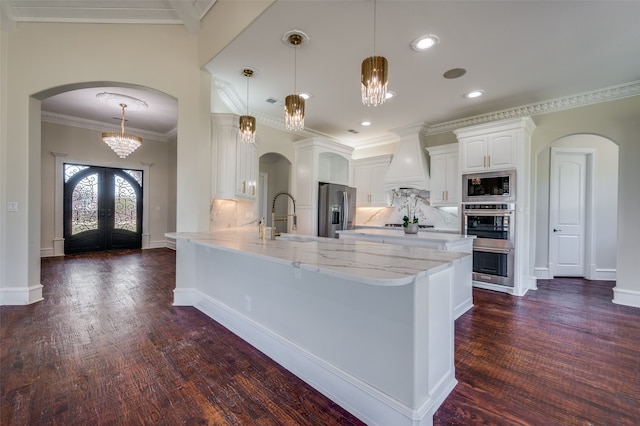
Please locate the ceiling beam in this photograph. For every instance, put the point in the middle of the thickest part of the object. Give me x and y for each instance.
(7, 23)
(188, 14)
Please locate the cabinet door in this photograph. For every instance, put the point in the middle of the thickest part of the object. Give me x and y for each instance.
(501, 150)
(438, 178)
(361, 182)
(376, 185)
(453, 180)
(473, 154)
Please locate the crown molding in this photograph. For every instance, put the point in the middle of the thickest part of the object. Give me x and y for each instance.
(68, 120)
(559, 104)
(234, 102)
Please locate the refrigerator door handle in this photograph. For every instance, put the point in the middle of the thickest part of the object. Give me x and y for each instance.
(345, 209)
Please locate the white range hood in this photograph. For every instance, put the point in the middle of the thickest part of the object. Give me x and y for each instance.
(408, 168)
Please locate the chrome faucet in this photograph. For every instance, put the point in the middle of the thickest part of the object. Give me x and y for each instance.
(274, 218)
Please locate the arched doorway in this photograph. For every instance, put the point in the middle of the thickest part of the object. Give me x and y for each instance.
(578, 236)
(275, 177)
(73, 136)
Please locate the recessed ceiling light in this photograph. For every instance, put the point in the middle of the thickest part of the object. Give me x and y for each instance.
(390, 95)
(365, 123)
(474, 94)
(305, 95)
(424, 42)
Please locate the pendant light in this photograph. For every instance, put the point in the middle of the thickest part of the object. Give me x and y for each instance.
(122, 143)
(374, 75)
(294, 103)
(247, 122)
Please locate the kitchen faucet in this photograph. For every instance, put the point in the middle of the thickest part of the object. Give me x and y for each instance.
(274, 218)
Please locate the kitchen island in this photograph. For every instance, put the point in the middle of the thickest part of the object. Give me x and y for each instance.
(368, 326)
(463, 284)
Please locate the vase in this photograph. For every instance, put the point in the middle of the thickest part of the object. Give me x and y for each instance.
(411, 228)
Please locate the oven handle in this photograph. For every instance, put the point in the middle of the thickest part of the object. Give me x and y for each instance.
(492, 249)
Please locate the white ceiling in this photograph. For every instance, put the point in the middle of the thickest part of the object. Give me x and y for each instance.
(518, 52)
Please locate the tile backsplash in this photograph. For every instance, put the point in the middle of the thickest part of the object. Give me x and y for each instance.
(446, 219)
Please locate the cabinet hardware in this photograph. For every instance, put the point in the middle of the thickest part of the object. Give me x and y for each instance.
(244, 186)
(488, 161)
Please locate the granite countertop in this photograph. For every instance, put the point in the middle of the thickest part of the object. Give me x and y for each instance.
(366, 262)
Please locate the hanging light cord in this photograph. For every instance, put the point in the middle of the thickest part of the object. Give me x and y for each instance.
(247, 95)
(122, 122)
(374, 27)
(295, 67)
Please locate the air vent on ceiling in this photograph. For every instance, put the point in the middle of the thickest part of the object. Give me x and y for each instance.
(274, 101)
(355, 132)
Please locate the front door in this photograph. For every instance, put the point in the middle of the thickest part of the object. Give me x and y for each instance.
(567, 208)
(102, 208)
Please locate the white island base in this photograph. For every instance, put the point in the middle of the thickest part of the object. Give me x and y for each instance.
(370, 330)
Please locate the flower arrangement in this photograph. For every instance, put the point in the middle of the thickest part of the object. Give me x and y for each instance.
(409, 203)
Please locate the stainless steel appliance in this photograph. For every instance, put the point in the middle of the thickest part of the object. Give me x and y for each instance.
(336, 209)
(493, 249)
(486, 187)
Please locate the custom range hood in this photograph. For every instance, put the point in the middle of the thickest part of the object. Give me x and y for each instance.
(408, 168)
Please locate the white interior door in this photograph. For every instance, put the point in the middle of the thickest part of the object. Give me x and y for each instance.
(567, 212)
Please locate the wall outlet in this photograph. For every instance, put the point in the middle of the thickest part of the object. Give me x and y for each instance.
(12, 206)
(248, 215)
(247, 303)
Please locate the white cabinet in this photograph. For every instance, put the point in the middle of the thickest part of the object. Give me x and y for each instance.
(445, 175)
(496, 151)
(235, 164)
(368, 178)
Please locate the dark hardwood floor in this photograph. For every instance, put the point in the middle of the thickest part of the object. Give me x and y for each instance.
(106, 347)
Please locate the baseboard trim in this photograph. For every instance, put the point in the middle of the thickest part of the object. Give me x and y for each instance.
(542, 273)
(47, 252)
(20, 295)
(362, 400)
(626, 297)
(605, 275)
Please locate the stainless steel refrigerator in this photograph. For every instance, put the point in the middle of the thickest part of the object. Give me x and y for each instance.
(336, 209)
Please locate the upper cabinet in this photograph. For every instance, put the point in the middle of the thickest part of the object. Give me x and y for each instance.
(368, 178)
(235, 164)
(493, 146)
(489, 152)
(445, 175)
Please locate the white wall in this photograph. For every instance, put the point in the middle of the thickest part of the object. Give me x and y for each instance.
(86, 147)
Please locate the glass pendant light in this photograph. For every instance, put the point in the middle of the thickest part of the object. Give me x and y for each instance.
(247, 122)
(294, 103)
(374, 74)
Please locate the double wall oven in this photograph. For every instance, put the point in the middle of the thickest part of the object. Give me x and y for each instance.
(488, 214)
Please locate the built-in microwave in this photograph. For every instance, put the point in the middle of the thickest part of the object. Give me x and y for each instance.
(483, 187)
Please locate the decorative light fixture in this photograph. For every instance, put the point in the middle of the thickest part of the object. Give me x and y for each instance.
(247, 122)
(294, 103)
(122, 143)
(374, 77)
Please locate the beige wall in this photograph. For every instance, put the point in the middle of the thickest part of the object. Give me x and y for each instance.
(82, 146)
(39, 60)
(618, 121)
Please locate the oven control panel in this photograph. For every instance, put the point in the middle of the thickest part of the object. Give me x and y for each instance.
(491, 206)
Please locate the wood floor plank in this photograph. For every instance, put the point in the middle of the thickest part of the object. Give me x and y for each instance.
(107, 347)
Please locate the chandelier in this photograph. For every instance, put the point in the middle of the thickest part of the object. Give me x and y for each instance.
(122, 143)
(374, 75)
(294, 103)
(247, 122)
